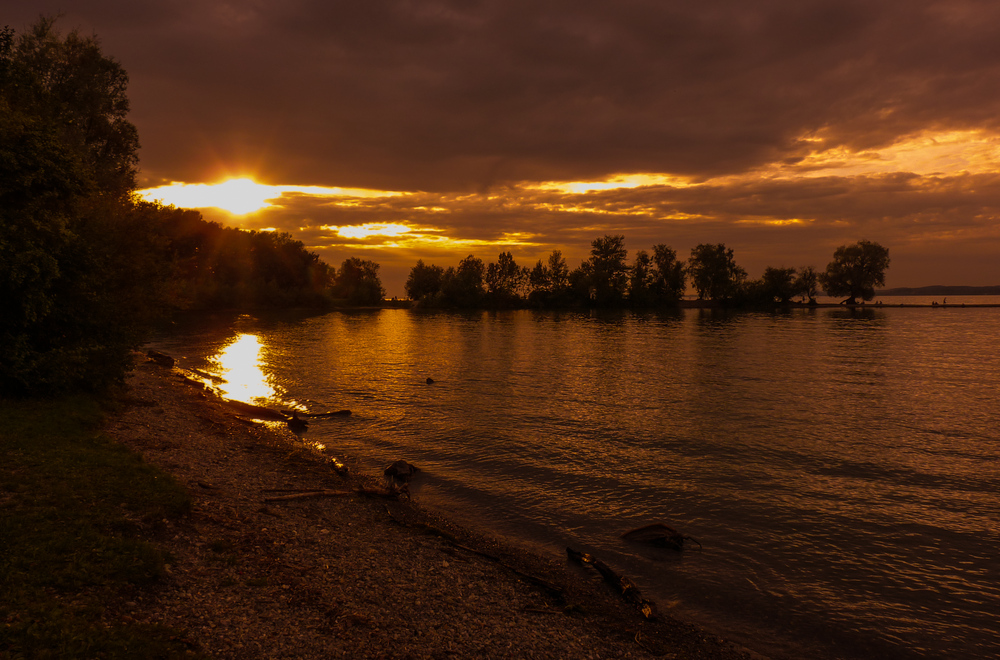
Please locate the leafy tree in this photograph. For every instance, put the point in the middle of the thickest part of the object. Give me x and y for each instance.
(608, 272)
(539, 278)
(668, 275)
(424, 281)
(714, 272)
(641, 276)
(779, 284)
(855, 271)
(72, 88)
(463, 286)
(505, 280)
(78, 257)
(807, 284)
(558, 272)
(358, 281)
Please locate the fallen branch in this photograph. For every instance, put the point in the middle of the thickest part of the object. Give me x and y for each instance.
(450, 538)
(629, 591)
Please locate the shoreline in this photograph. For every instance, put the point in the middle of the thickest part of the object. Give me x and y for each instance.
(344, 575)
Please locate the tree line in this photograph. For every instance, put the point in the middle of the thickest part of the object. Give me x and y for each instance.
(86, 266)
(655, 279)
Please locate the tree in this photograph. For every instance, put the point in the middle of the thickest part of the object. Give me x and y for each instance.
(807, 284)
(855, 271)
(779, 284)
(463, 286)
(424, 281)
(641, 276)
(79, 259)
(70, 86)
(358, 281)
(505, 280)
(714, 272)
(558, 272)
(668, 275)
(608, 269)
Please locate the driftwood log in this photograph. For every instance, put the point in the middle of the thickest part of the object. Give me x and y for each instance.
(625, 586)
(309, 494)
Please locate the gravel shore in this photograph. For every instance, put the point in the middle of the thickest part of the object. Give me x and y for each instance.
(342, 574)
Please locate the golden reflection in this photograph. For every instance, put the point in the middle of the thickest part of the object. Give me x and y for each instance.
(239, 364)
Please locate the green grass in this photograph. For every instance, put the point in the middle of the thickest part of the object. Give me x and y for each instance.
(77, 515)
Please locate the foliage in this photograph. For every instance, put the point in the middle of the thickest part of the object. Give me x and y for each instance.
(358, 282)
(807, 284)
(75, 254)
(641, 280)
(608, 269)
(505, 281)
(714, 272)
(74, 90)
(668, 275)
(855, 271)
(75, 529)
(424, 281)
(463, 286)
(779, 284)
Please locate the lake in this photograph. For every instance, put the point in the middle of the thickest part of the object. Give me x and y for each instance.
(839, 467)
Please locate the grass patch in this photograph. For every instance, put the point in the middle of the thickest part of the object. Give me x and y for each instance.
(76, 514)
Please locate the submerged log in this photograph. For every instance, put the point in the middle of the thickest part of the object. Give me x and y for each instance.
(659, 535)
(629, 592)
(257, 412)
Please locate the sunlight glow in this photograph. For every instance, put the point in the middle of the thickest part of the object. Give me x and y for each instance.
(945, 153)
(239, 364)
(243, 196)
(616, 182)
(365, 231)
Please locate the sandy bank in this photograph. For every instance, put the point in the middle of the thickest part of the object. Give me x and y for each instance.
(351, 576)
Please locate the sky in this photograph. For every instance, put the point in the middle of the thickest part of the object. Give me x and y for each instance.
(398, 131)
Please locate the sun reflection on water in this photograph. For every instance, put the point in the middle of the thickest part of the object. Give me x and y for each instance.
(240, 365)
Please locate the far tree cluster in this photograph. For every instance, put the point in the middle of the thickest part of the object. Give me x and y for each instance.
(656, 279)
(86, 266)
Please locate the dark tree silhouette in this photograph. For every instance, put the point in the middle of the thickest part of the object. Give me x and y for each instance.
(424, 281)
(807, 284)
(358, 282)
(78, 259)
(779, 284)
(463, 286)
(668, 275)
(855, 271)
(608, 271)
(714, 272)
(505, 280)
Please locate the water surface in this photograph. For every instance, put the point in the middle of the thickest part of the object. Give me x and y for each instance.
(838, 466)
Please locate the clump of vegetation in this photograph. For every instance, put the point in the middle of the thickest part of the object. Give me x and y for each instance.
(659, 280)
(78, 511)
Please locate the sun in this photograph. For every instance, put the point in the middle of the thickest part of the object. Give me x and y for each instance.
(238, 196)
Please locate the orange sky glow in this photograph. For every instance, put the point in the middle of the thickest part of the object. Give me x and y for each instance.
(397, 132)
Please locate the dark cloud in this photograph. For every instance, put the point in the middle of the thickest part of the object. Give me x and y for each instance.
(464, 95)
(474, 100)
